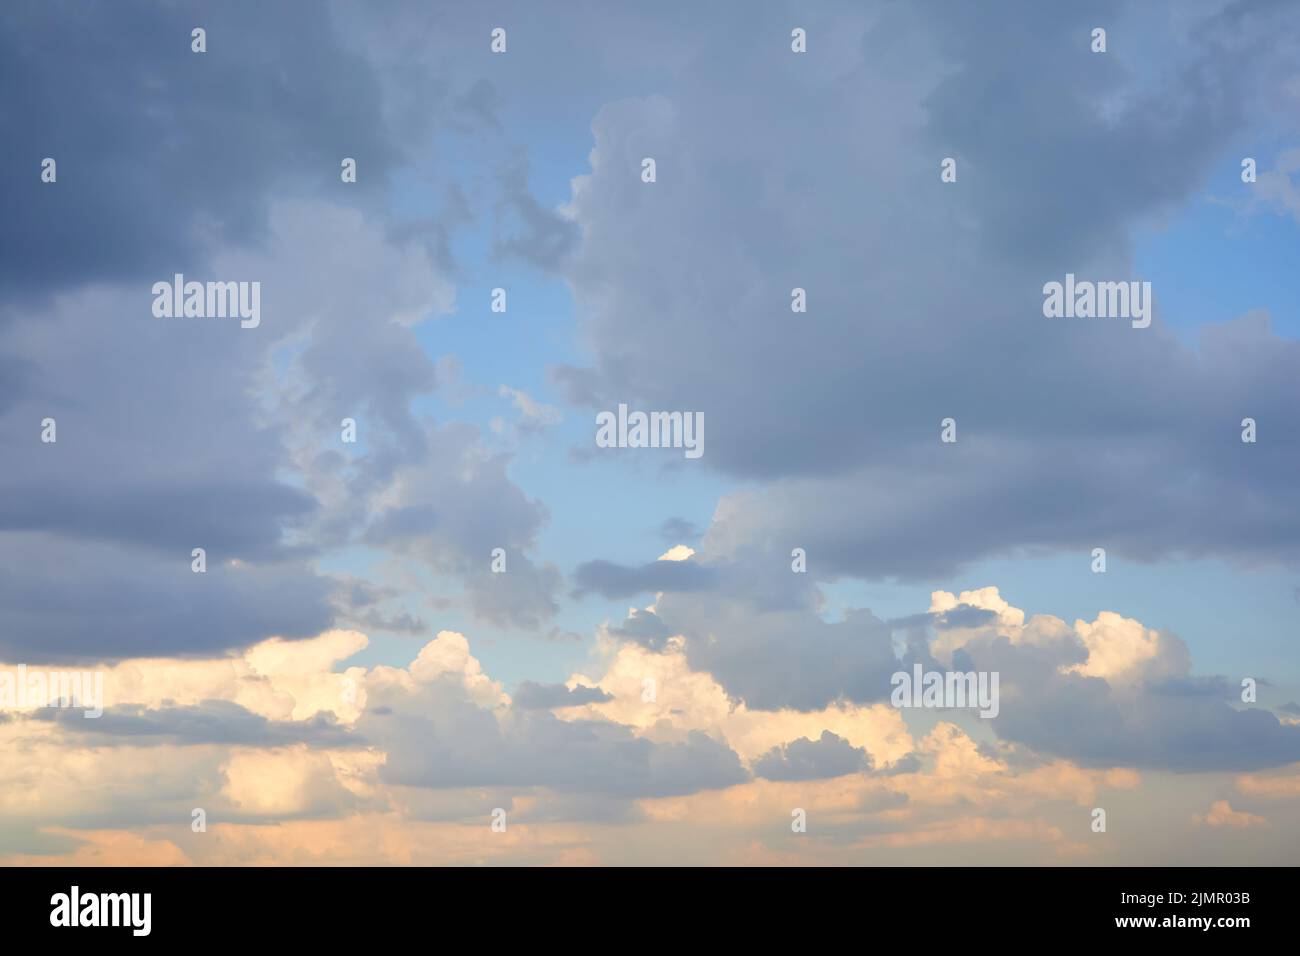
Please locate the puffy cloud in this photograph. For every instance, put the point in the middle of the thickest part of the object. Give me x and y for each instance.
(678, 552)
(659, 692)
(296, 781)
(1221, 814)
(759, 632)
(422, 753)
(1100, 693)
(440, 726)
(1122, 650)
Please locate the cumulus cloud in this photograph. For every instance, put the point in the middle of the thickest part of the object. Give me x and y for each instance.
(1106, 692)
(438, 735)
(429, 748)
(1221, 814)
(1095, 693)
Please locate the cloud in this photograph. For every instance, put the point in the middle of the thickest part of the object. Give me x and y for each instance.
(119, 211)
(1275, 188)
(534, 696)
(1097, 694)
(674, 530)
(757, 629)
(925, 298)
(437, 734)
(420, 754)
(212, 722)
(614, 581)
(132, 604)
(533, 415)
(689, 728)
(657, 691)
(525, 229)
(644, 627)
(804, 759)
(230, 440)
(1221, 814)
(678, 552)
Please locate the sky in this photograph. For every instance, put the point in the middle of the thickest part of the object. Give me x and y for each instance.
(463, 630)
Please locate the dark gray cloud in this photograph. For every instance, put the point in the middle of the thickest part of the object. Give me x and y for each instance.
(160, 448)
(644, 627)
(775, 658)
(964, 615)
(210, 722)
(534, 696)
(617, 581)
(200, 434)
(232, 516)
(153, 140)
(175, 434)
(90, 602)
(804, 759)
(924, 298)
(909, 764)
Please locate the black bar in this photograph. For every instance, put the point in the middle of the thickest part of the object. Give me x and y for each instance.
(369, 905)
